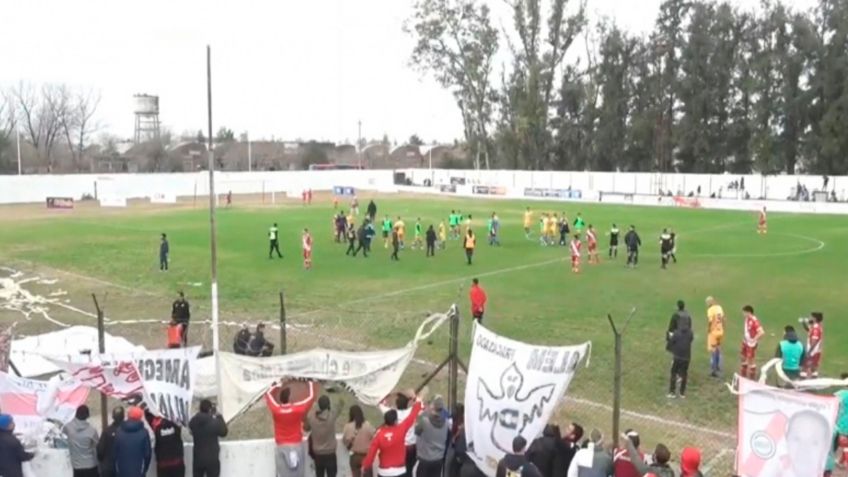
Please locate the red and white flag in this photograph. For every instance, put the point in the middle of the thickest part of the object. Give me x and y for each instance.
(783, 433)
(32, 402)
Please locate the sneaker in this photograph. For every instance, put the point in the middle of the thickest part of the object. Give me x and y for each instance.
(682, 396)
(671, 395)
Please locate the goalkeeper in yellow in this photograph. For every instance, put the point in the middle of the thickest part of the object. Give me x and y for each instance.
(715, 334)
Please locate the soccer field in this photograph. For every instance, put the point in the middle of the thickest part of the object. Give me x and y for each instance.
(348, 302)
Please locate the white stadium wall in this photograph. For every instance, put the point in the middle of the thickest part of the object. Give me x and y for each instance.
(628, 188)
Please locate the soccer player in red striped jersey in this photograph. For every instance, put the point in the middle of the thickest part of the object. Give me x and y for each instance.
(306, 239)
(815, 338)
(575, 253)
(592, 239)
(753, 331)
(762, 223)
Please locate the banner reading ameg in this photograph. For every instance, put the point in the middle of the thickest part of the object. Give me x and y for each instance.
(512, 388)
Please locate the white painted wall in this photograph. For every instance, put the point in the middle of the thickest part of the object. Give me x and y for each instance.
(251, 458)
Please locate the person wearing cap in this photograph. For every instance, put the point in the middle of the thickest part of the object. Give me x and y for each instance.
(132, 446)
(12, 453)
(321, 424)
(516, 464)
(690, 463)
(207, 427)
(82, 444)
(622, 466)
(659, 467)
(106, 444)
(593, 459)
(431, 433)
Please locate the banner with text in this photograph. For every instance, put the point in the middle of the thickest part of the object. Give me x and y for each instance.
(512, 388)
(783, 433)
(165, 378)
(32, 402)
(488, 190)
(369, 375)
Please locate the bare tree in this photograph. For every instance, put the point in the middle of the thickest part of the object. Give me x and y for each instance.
(39, 115)
(75, 110)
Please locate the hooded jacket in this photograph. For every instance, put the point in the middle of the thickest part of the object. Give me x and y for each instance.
(432, 437)
(322, 425)
(690, 462)
(543, 451)
(593, 461)
(206, 429)
(82, 444)
(168, 448)
(132, 450)
(680, 344)
(106, 448)
(517, 464)
(12, 455)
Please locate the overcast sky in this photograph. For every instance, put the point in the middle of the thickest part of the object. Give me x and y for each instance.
(283, 68)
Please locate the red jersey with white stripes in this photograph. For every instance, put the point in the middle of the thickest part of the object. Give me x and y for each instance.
(752, 329)
(814, 339)
(307, 242)
(575, 248)
(590, 236)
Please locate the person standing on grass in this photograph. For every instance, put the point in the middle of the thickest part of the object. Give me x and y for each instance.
(82, 444)
(351, 240)
(207, 427)
(478, 300)
(273, 241)
(431, 433)
(613, 241)
(12, 453)
(181, 313)
(362, 238)
(321, 424)
(288, 429)
(443, 235)
(370, 232)
(679, 343)
(395, 245)
(815, 338)
(164, 250)
(633, 242)
(372, 210)
(306, 241)
(356, 438)
(431, 241)
(106, 444)
(715, 334)
(470, 244)
(175, 334)
(168, 447)
(132, 446)
(387, 231)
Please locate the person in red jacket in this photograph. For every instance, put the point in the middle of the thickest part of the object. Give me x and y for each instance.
(390, 443)
(288, 428)
(478, 300)
(622, 465)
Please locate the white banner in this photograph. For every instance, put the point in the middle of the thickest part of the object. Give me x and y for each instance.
(112, 201)
(783, 433)
(32, 402)
(512, 388)
(166, 378)
(369, 375)
(163, 198)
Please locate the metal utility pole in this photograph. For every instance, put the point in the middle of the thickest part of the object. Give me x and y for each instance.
(212, 230)
(359, 143)
(101, 347)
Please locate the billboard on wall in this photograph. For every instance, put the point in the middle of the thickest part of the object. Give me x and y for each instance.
(552, 193)
(60, 203)
(344, 191)
(488, 190)
(450, 188)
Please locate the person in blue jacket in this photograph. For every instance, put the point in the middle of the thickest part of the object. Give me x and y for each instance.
(132, 450)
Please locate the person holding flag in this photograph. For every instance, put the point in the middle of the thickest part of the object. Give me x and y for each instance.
(306, 240)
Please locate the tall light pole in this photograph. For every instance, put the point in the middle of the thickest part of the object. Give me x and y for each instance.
(212, 230)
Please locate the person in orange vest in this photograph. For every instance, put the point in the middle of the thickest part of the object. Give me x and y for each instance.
(470, 243)
(175, 334)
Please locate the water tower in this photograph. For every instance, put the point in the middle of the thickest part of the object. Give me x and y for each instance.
(146, 109)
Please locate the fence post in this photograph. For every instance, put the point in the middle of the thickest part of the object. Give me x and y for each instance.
(283, 341)
(616, 386)
(101, 345)
(453, 371)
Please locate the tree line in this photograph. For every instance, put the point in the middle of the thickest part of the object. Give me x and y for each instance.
(711, 88)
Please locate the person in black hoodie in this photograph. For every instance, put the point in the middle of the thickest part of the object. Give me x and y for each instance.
(679, 344)
(12, 453)
(567, 447)
(516, 464)
(431, 241)
(207, 426)
(132, 446)
(169, 446)
(372, 210)
(106, 444)
(543, 450)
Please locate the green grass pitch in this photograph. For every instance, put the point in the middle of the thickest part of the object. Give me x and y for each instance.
(533, 296)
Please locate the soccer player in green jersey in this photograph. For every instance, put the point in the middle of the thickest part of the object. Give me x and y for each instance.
(453, 222)
(418, 242)
(579, 224)
(387, 231)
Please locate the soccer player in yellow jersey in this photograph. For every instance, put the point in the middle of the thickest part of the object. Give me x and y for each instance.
(528, 222)
(543, 228)
(468, 224)
(552, 226)
(715, 334)
(443, 235)
(400, 227)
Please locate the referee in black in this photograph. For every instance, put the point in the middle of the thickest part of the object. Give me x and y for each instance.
(633, 242)
(666, 245)
(613, 241)
(273, 238)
